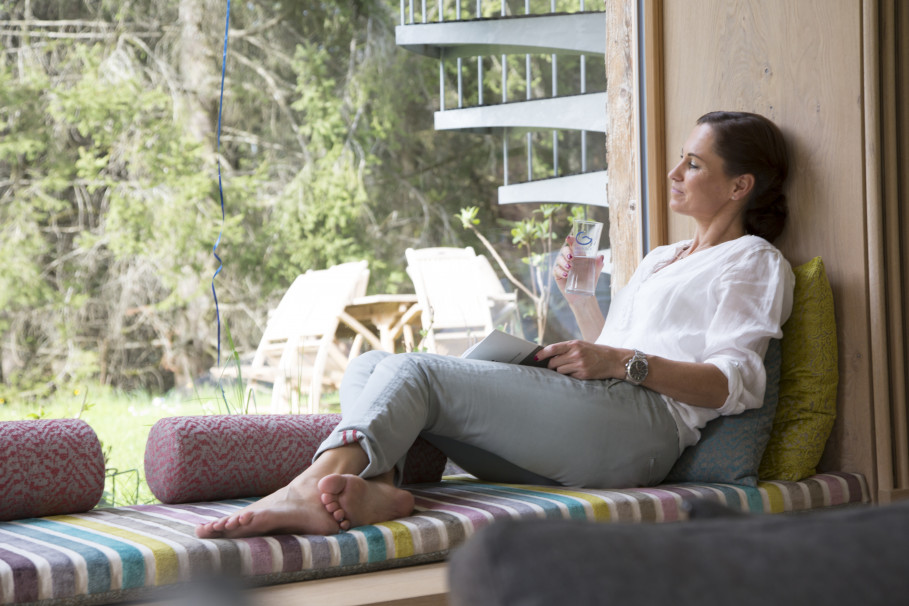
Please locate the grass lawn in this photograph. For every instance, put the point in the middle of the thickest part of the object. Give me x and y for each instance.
(122, 422)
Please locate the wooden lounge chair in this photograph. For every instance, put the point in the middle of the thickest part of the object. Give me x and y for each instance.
(298, 349)
(461, 297)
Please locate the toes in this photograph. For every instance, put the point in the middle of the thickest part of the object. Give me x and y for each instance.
(245, 517)
(231, 523)
(218, 525)
(205, 531)
(333, 484)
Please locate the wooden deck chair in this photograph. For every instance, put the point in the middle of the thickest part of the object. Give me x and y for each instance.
(298, 349)
(461, 297)
(503, 305)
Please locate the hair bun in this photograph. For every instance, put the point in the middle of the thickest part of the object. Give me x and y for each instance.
(765, 216)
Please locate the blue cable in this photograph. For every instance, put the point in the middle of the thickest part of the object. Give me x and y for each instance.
(214, 249)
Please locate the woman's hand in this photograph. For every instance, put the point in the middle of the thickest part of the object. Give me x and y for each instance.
(586, 308)
(583, 360)
(563, 264)
(694, 383)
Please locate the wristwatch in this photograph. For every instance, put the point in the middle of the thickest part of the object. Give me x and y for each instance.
(636, 368)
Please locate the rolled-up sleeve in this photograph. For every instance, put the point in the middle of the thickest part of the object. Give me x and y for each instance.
(753, 299)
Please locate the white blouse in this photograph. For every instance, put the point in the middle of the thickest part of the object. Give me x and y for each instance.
(721, 305)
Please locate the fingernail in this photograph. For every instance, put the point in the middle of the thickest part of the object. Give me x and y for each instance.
(565, 275)
(536, 358)
(570, 256)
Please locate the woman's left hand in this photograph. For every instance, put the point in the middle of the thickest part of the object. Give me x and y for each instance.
(583, 360)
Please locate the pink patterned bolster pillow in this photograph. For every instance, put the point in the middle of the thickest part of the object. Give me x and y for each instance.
(208, 458)
(49, 467)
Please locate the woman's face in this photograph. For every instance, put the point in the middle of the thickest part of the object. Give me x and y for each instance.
(699, 187)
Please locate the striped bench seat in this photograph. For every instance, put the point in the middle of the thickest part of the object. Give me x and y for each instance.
(112, 555)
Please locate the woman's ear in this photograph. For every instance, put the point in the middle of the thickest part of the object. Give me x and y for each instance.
(742, 186)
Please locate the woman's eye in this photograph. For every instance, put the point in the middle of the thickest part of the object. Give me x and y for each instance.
(692, 165)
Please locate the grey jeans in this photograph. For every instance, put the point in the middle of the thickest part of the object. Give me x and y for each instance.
(504, 422)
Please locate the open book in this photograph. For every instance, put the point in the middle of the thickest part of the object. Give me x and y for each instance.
(500, 346)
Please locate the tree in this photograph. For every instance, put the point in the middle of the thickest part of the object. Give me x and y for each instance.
(109, 203)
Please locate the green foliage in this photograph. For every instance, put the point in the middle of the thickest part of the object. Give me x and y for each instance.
(109, 201)
(535, 235)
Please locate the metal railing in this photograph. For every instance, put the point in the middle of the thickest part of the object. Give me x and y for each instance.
(408, 12)
(408, 16)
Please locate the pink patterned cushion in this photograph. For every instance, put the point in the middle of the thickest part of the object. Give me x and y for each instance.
(207, 458)
(49, 467)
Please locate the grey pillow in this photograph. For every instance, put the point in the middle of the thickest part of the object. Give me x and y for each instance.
(730, 448)
(845, 557)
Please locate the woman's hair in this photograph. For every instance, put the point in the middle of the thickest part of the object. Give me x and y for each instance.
(752, 144)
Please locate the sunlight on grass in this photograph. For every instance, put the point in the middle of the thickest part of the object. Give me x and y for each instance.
(122, 422)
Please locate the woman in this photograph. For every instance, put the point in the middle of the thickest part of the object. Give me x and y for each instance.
(683, 343)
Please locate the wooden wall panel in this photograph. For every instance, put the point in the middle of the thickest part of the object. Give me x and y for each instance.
(887, 83)
(799, 63)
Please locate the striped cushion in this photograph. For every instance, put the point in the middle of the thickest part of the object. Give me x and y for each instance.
(215, 457)
(110, 555)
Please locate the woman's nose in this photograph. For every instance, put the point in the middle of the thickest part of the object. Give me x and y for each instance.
(674, 173)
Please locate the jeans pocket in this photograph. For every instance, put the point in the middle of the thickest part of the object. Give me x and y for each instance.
(610, 383)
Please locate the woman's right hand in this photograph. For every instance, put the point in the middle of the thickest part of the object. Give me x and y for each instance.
(586, 308)
(562, 266)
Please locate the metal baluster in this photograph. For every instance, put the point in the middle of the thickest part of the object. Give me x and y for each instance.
(555, 153)
(402, 12)
(527, 75)
(527, 87)
(460, 83)
(505, 153)
(479, 61)
(583, 132)
(583, 91)
(555, 73)
(422, 11)
(441, 64)
(504, 69)
(527, 57)
(504, 78)
(555, 93)
(529, 159)
(479, 80)
(441, 85)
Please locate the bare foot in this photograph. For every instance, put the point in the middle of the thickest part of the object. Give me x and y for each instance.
(352, 501)
(294, 509)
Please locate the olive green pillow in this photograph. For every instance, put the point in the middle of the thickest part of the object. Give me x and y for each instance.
(808, 378)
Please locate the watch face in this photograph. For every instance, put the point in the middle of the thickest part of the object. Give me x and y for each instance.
(637, 370)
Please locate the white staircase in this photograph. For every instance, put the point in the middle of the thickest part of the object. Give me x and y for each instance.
(491, 35)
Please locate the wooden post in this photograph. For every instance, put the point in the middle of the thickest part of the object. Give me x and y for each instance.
(622, 141)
